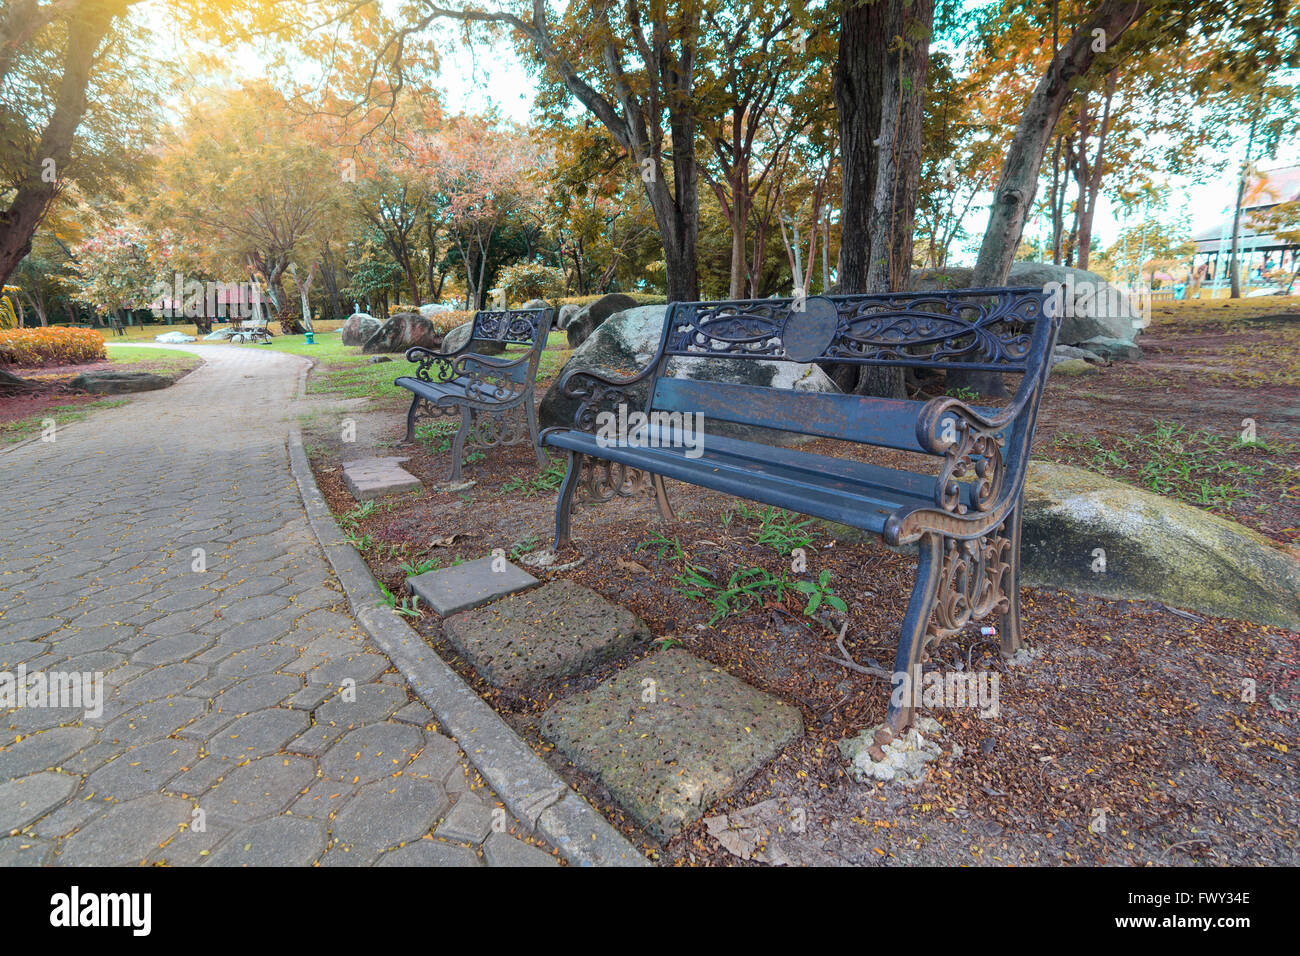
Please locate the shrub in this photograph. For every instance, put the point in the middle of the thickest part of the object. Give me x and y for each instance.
(642, 298)
(55, 345)
(524, 281)
(444, 322)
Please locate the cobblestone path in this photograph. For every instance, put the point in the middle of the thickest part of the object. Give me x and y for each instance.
(245, 718)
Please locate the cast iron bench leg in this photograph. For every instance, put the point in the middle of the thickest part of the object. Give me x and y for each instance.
(531, 411)
(467, 420)
(564, 506)
(912, 638)
(1010, 621)
(661, 498)
(410, 420)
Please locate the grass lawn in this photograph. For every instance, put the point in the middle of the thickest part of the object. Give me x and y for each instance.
(340, 370)
(346, 371)
(145, 359)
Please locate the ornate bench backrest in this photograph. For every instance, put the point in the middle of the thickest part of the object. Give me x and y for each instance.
(512, 326)
(1003, 330)
(528, 327)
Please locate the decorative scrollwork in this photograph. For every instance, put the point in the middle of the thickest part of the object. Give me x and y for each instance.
(938, 328)
(432, 367)
(972, 582)
(489, 384)
(512, 325)
(596, 394)
(602, 480)
(975, 451)
(728, 328)
(980, 328)
(483, 380)
(489, 429)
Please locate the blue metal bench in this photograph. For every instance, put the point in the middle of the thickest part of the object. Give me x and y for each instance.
(482, 390)
(965, 518)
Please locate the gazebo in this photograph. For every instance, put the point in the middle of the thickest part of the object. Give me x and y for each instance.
(1259, 251)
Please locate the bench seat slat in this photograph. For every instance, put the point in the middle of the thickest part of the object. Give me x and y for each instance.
(835, 498)
(453, 389)
(857, 418)
(861, 473)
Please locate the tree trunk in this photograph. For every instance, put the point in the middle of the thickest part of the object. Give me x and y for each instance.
(33, 195)
(859, 84)
(1013, 198)
(879, 90)
(10, 383)
(1233, 274)
(38, 303)
(739, 221)
(1056, 203)
(289, 323)
(826, 256)
(304, 289)
(330, 276)
(678, 222)
(899, 166)
(1094, 181)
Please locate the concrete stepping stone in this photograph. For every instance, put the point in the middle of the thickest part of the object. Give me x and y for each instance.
(558, 629)
(670, 736)
(469, 585)
(369, 478)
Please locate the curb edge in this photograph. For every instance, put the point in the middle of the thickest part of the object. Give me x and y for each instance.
(530, 789)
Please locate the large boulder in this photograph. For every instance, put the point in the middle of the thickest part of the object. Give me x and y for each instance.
(1090, 533)
(359, 327)
(403, 331)
(567, 312)
(433, 308)
(173, 338)
(626, 343)
(589, 317)
(455, 340)
(1094, 308)
(109, 382)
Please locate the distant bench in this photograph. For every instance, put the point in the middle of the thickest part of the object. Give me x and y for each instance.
(480, 389)
(965, 520)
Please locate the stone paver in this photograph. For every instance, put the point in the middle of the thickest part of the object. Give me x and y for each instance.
(370, 478)
(558, 629)
(247, 719)
(500, 849)
(469, 585)
(671, 735)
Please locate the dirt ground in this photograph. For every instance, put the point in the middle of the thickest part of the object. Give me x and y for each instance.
(1125, 741)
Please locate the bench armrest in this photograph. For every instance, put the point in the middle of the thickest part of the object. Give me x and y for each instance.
(428, 359)
(490, 362)
(974, 443)
(595, 392)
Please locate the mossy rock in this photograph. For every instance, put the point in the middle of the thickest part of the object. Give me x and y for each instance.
(1155, 548)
